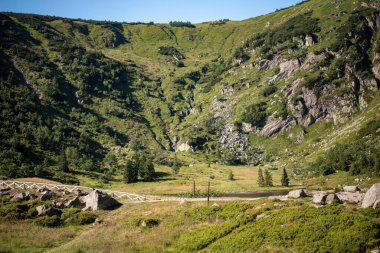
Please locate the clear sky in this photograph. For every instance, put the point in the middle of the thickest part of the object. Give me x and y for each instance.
(159, 11)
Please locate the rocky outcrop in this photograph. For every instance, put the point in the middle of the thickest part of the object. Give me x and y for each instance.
(371, 196)
(97, 200)
(295, 194)
(228, 90)
(183, 147)
(277, 125)
(234, 141)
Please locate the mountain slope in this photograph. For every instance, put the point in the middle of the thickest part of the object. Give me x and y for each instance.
(280, 89)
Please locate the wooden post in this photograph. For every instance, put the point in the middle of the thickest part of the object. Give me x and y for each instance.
(208, 194)
(194, 188)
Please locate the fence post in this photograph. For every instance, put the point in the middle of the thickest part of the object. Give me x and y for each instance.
(208, 194)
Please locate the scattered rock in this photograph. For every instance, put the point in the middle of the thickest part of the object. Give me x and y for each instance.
(47, 195)
(23, 196)
(215, 205)
(319, 197)
(76, 202)
(80, 192)
(97, 200)
(331, 198)
(295, 194)
(352, 197)
(371, 196)
(351, 188)
(47, 210)
(375, 251)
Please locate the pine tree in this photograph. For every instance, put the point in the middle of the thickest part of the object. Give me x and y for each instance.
(63, 165)
(268, 178)
(285, 178)
(146, 168)
(260, 179)
(130, 172)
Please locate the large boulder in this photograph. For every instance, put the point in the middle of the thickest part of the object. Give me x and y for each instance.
(371, 196)
(76, 202)
(351, 188)
(97, 200)
(319, 197)
(295, 194)
(47, 195)
(352, 197)
(47, 210)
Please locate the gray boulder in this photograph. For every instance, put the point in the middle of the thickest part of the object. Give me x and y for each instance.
(352, 197)
(331, 198)
(371, 196)
(47, 210)
(295, 194)
(319, 197)
(76, 202)
(351, 188)
(4, 189)
(97, 200)
(47, 195)
(23, 196)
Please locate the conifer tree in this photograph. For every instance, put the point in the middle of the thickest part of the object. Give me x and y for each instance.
(260, 178)
(284, 178)
(268, 178)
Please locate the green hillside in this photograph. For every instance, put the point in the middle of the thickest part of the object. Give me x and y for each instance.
(79, 98)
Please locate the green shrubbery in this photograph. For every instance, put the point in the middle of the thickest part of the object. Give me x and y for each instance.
(81, 218)
(255, 114)
(48, 221)
(139, 165)
(360, 156)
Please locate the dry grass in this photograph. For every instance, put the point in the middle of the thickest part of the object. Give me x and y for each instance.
(23, 236)
(36, 180)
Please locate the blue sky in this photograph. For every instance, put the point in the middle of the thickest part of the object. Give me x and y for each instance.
(159, 11)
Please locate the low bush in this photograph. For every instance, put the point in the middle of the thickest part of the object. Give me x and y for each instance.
(69, 212)
(81, 218)
(269, 91)
(46, 221)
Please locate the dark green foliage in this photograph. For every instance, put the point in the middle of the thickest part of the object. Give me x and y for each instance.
(81, 218)
(171, 51)
(212, 73)
(139, 165)
(268, 178)
(260, 178)
(48, 221)
(255, 114)
(181, 24)
(284, 178)
(150, 222)
(131, 172)
(176, 165)
(269, 90)
(240, 54)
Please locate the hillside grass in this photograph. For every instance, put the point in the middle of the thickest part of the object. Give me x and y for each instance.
(254, 226)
